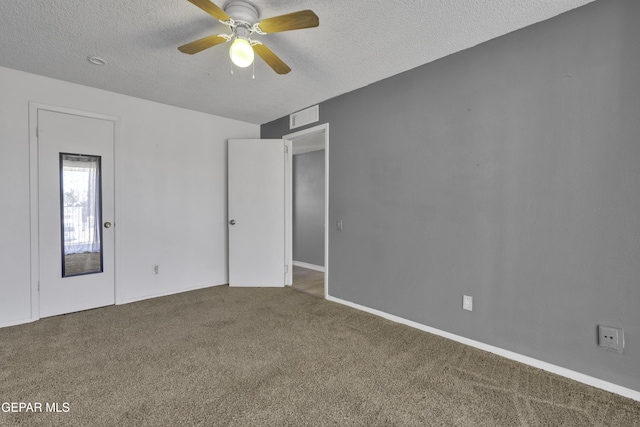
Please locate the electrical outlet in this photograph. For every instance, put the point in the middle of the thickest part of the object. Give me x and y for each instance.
(467, 303)
(155, 269)
(611, 338)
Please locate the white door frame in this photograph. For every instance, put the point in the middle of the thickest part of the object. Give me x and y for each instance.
(34, 197)
(290, 141)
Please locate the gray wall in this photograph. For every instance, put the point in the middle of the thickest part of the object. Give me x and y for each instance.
(509, 172)
(308, 207)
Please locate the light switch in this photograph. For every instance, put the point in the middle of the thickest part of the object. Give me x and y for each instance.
(467, 302)
(339, 224)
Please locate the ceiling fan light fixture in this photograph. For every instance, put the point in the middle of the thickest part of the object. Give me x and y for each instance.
(241, 52)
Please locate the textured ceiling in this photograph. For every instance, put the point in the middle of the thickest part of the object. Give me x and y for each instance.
(356, 44)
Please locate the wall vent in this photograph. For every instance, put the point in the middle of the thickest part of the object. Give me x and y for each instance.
(304, 117)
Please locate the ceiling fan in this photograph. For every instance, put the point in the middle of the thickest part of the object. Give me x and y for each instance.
(242, 19)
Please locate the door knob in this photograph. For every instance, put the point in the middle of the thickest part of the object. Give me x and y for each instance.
(232, 222)
(107, 224)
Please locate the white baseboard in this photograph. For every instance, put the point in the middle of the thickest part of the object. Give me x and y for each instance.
(164, 294)
(127, 301)
(567, 373)
(309, 266)
(17, 322)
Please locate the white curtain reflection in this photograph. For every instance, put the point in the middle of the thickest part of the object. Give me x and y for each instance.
(81, 203)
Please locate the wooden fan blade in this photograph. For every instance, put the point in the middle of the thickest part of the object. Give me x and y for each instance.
(271, 59)
(202, 44)
(211, 9)
(290, 21)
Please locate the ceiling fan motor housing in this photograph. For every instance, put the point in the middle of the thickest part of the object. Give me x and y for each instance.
(241, 11)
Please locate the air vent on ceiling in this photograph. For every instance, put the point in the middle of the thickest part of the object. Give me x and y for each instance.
(304, 117)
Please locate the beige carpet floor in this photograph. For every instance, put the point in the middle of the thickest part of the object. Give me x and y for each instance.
(274, 357)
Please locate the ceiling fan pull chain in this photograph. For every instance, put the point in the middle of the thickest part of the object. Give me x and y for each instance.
(254, 70)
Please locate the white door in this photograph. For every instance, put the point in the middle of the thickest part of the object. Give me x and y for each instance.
(75, 212)
(256, 212)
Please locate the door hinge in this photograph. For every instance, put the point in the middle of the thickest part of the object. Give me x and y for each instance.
(286, 149)
(286, 268)
(37, 132)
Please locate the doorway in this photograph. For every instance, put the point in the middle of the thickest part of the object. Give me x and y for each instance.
(73, 210)
(307, 210)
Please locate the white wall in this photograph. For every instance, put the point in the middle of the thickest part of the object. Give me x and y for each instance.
(171, 191)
